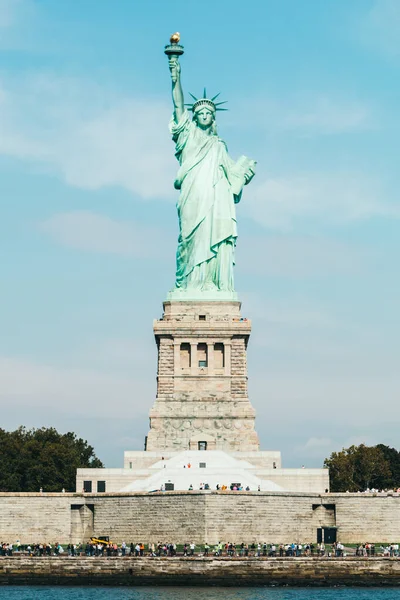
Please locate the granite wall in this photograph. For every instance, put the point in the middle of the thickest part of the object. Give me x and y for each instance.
(198, 516)
(199, 571)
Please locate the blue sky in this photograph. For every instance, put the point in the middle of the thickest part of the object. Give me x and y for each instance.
(88, 224)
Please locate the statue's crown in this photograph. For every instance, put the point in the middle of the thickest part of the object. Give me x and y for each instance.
(207, 102)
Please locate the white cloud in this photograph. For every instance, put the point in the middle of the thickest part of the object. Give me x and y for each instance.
(300, 256)
(278, 203)
(316, 442)
(119, 355)
(90, 135)
(327, 116)
(6, 13)
(93, 137)
(93, 232)
(293, 312)
(381, 27)
(9, 11)
(330, 400)
(278, 255)
(78, 391)
(315, 447)
(310, 113)
(306, 338)
(17, 22)
(324, 396)
(99, 402)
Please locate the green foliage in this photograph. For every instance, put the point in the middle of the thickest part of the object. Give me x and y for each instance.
(393, 458)
(360, 467)
(31, 459)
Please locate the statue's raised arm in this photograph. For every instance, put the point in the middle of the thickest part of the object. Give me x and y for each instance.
(177, 92)
(173, 51)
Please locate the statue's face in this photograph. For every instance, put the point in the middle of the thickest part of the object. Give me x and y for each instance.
(204, 118)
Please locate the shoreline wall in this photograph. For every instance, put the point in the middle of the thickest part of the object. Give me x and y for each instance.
(199, 571)
(199, 516)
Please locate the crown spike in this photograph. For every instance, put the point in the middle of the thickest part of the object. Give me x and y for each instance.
(204, 101)
(219, 109)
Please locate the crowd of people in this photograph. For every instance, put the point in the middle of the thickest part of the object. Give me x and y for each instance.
(382, 492)
(109, 549)
(370, 550)
(205, 486)
(233, 487)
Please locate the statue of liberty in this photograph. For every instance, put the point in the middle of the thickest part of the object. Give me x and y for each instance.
(210, 185)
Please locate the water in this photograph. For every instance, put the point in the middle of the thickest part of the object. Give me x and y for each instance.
(187, 593)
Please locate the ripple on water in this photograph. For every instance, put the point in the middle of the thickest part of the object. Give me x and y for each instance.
(188, 593)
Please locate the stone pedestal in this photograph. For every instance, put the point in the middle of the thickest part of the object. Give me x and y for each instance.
(202, 398)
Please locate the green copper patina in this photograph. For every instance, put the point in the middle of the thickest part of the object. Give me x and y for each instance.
(210, 185)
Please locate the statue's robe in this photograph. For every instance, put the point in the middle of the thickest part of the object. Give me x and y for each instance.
(210, 184)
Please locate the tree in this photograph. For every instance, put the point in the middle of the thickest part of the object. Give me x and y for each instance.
(31, 459)
(341, 470)
(393, 457)
(358, 468)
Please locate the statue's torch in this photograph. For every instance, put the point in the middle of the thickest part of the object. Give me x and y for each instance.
(174, 49)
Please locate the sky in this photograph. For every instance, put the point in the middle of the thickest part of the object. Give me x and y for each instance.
(88, 223)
